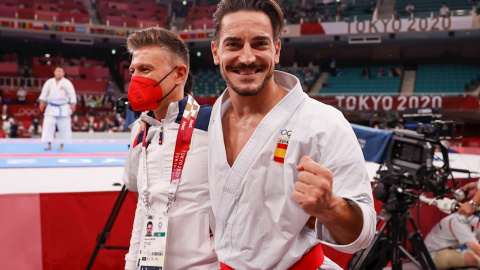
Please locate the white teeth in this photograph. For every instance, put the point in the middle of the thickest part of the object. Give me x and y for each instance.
(246, 72)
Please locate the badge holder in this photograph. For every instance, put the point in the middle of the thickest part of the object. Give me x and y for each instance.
(103, 235)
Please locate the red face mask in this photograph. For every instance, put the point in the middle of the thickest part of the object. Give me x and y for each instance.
(145, 94)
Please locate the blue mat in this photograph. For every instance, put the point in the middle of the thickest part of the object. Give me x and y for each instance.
(18, 153)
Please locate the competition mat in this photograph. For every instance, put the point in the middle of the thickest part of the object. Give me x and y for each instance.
(30, 153)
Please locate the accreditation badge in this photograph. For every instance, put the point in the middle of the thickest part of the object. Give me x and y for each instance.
(151, 254)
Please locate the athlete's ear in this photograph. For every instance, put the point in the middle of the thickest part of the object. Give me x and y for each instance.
(278, 47)
(216, 58)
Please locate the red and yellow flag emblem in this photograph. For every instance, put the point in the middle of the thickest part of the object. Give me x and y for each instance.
(280, 152)
(282, 144)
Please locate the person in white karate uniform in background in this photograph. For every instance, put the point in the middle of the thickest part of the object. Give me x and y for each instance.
(59, 100)
(278, 157)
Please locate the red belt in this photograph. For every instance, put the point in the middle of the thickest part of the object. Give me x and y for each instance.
(312, 260)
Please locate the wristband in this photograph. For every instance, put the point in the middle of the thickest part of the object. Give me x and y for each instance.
(473, 204)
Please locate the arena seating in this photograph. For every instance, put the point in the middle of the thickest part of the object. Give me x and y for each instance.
(350, 81)
(208, 83)
(199, 17)
(44, 10)
(137, 14)
(448, 79)
(350, 13)
(425, 8)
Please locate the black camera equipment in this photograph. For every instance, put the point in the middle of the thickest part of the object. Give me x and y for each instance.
(103, 235)
(121, 105)
(407, 173)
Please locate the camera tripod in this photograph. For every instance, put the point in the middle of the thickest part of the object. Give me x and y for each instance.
(103, 235)
(389, 244)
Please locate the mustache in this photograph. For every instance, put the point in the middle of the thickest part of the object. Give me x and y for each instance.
(243, 66)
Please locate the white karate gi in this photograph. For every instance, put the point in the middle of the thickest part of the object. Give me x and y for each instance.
(259, 225)
(189, 245)
(58, 98)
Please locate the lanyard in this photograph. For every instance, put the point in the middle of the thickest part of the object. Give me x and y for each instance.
(182, 145)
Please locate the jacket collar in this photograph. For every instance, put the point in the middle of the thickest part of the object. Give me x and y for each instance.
(174, 114)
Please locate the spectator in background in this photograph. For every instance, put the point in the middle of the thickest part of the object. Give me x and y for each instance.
(76, 124)
(12, 128)
(410, 9)
(110, 100)
(380, 72)
(399, 71)
(333, 66)
(371, 8)
(107, 125)
(35, 129)
(91, 124)
(5, 112)
(444, 11)
(309, 80)
(327, 15)
(366, 73)
(118, 123)
(393, 72)
(395, 15)
(21, 95)
(339, 11)
(1, 96)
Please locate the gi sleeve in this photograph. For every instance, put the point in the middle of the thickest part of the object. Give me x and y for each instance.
(45, 90)
(343, 156)
(71, 92)
(358, 193)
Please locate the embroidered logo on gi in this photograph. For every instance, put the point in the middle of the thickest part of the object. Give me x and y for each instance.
(282, 145)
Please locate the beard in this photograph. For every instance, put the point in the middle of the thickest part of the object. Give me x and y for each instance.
(248, 91)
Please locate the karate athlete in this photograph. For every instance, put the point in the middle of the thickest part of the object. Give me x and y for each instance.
(167, 164)
(453, 242)
(278, 157)
(59, 98)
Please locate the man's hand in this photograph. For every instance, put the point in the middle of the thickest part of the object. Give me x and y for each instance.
(466, 209)
(313, 191)
(41, 106)
(73, 107)
(470, 189)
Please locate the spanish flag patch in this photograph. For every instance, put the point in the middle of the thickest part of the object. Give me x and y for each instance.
(282, 144)
(280, 152)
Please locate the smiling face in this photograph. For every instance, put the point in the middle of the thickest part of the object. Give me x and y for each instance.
(246, 52)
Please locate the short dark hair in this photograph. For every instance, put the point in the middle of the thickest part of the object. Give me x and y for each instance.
(269, 7)
(188, 89)
(156, 36)
(150, 223)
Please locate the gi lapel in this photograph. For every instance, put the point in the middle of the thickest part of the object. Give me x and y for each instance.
(269, 124)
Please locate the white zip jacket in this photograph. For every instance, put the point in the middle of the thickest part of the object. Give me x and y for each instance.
(258, 224)
(189, 245)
